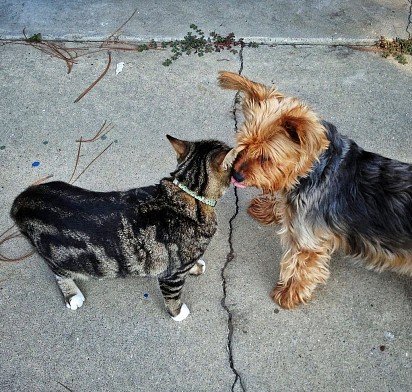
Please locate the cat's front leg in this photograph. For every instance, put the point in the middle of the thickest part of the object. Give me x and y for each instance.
(171, 287)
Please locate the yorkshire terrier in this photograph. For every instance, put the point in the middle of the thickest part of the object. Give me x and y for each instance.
(324, 190)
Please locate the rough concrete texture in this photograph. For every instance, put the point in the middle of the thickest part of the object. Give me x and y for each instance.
(118, 340)
(355, 334)
(334, 342)
(281, 19)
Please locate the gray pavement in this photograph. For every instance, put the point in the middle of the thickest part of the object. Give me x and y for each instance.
(356, 334)
(260, 20)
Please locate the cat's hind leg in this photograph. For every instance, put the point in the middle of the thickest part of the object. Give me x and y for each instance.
(199, 268)
(73, 297)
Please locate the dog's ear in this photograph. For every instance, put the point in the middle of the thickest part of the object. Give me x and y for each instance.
(254, 91)
(302, 125)
(180, 146)
(291, 126)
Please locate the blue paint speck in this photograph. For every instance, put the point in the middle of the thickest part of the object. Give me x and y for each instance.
(146, 295)
(35, 164)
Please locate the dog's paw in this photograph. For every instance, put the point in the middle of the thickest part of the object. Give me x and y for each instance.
(184, 312)
(288, 297)
(263, 209)
(76, 301)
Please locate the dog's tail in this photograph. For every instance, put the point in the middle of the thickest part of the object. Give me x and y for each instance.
(253, 90)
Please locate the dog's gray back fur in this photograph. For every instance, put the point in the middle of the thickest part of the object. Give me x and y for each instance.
(362, 197)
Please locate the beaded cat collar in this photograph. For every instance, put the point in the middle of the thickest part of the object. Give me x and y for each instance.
(209, 202)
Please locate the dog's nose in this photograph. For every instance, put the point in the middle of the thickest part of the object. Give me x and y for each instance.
(237, 176)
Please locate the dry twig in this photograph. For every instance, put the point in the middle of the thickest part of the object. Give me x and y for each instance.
(117, 31)
(77, 159)
(41, 180)
(104, 130)
(97, 80)
(54, 50)
(93, 160)
(10, 234)
(64, 386)
(9, 237)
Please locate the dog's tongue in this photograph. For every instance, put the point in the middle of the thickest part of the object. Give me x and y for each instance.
(237, 184)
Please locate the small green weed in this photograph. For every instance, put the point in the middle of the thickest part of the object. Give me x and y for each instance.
(196, 42)
(151, 45)
(397, 48)
(35, 38)
(401, 59)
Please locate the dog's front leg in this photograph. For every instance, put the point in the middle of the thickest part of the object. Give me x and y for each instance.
(301, 270)
(265, 209)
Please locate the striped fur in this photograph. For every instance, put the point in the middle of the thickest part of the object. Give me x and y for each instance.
(157, 230)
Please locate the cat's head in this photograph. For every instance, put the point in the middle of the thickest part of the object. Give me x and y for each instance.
(202, 167)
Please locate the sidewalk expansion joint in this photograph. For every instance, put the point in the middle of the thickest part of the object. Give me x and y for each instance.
(229, 258)
(261, 40)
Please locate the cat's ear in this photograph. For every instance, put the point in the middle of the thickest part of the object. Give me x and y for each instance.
(227, 159)
(181, 147)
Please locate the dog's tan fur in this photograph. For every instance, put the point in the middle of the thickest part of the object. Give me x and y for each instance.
(278, 143)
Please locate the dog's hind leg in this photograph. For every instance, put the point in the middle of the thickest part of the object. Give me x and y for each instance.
(301, 270)
(400, 262)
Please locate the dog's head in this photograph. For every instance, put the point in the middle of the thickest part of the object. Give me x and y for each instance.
(279, 140)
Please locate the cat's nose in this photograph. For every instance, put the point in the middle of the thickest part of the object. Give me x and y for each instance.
(237, 176)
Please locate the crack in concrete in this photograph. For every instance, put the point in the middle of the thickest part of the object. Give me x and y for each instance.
(229, 258)
(409, 20)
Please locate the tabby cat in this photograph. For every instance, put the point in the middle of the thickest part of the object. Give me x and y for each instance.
(160, 230)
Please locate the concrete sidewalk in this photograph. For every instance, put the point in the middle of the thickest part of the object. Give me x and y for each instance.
(356, 334)
(268, 21)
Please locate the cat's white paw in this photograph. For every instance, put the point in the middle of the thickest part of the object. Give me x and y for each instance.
(76, 301)
(184, 312)
(199, 268)
(203, 264)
